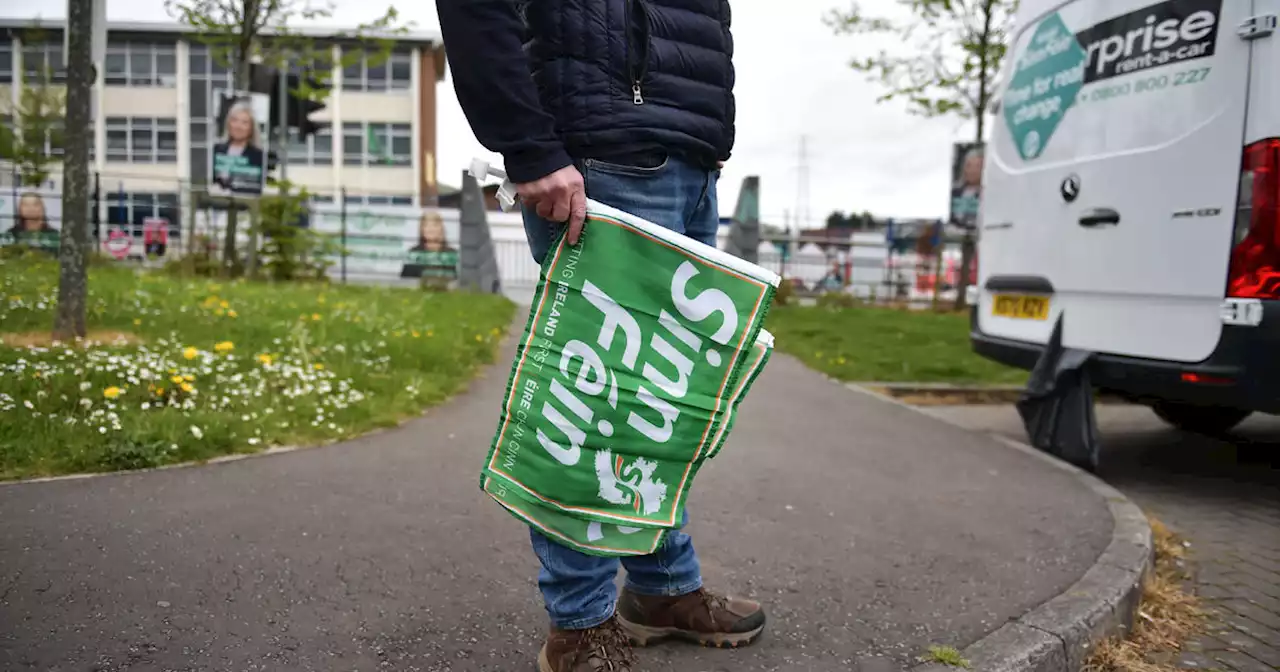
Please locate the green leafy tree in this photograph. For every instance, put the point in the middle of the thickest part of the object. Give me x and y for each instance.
(289, 251)
(31, 138)
(947, 61)
(240, 33)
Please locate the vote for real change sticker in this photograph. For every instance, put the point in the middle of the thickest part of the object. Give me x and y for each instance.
(1052, 67)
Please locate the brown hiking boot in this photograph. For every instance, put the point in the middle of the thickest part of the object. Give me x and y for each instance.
(603, 648)
(699, 617)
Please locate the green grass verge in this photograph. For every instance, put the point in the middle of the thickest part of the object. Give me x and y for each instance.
(178, 370)
(886, 345)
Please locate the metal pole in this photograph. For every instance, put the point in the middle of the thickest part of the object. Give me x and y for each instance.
(97, 213)
(343, 234)
(284, 123)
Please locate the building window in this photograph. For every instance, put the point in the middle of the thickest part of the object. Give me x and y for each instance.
(140, 64)
(142, 140)
(377, 144)
(378, 199)
(131, 209)
(43, 58)
(316, 150)
(378, 75)
(54, 138)
(6, 64)
(352, 144)
(208, 71)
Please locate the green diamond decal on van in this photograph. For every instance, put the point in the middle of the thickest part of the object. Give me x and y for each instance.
(1048, 76)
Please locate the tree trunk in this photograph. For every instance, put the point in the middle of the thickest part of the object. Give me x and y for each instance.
(968, 247)
(73, 255)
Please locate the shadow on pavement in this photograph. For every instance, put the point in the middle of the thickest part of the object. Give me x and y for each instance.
(1140, 451)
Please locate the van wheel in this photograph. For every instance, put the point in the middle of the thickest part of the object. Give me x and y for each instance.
(1200, 419)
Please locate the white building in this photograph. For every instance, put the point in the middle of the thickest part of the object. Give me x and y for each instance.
(153, 127)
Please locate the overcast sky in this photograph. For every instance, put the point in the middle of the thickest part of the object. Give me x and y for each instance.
(793, 82)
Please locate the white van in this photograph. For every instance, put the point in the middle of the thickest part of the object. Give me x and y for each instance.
(1132, 187)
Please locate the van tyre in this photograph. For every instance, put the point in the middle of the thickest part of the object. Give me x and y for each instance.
(1200, 419)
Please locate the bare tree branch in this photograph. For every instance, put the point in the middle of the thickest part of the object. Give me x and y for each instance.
(951, 53)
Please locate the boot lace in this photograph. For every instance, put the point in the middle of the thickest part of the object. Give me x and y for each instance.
(608, 646)
(714, 603)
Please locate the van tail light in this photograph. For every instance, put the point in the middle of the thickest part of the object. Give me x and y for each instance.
(1255, 257)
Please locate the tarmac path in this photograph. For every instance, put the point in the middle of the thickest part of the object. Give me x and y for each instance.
(866, 528)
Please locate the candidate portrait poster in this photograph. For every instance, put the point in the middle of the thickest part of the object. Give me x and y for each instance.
(966, 184)
(239, 157)
(31, 218)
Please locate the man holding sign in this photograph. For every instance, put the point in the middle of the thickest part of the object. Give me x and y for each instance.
(629, 102)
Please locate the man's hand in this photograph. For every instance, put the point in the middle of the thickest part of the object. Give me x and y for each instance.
(558, 197)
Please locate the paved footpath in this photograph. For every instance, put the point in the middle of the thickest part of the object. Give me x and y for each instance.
(1223, 495)
(866, 528)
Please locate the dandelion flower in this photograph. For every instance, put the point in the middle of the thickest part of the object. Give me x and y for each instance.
(315, 317)
(225, 346)
(232, 313)
(189, 378)
(224, 305)
(190, 353)
(112, 392)
(319, 366)
(187, 387)
(479, 338)
(415, 333)
(137, 322)
(176, 380)
(265, 359)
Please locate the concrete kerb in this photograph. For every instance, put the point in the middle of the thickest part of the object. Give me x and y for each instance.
(950, 394)
(1058, 635)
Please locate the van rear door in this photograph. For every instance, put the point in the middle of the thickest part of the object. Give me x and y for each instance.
(1112, 175)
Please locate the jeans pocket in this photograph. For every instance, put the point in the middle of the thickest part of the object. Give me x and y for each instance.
(626, 170)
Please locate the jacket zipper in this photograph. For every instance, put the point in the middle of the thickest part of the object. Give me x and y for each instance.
(636, 11)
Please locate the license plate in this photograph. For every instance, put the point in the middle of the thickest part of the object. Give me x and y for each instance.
(1020, 307)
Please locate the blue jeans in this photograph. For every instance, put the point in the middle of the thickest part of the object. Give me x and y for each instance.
(579, 589)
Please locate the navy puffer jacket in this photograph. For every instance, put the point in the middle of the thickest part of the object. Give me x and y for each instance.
(623, 75)
(547, 81)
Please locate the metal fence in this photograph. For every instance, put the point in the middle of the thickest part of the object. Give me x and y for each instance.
(381, 238)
